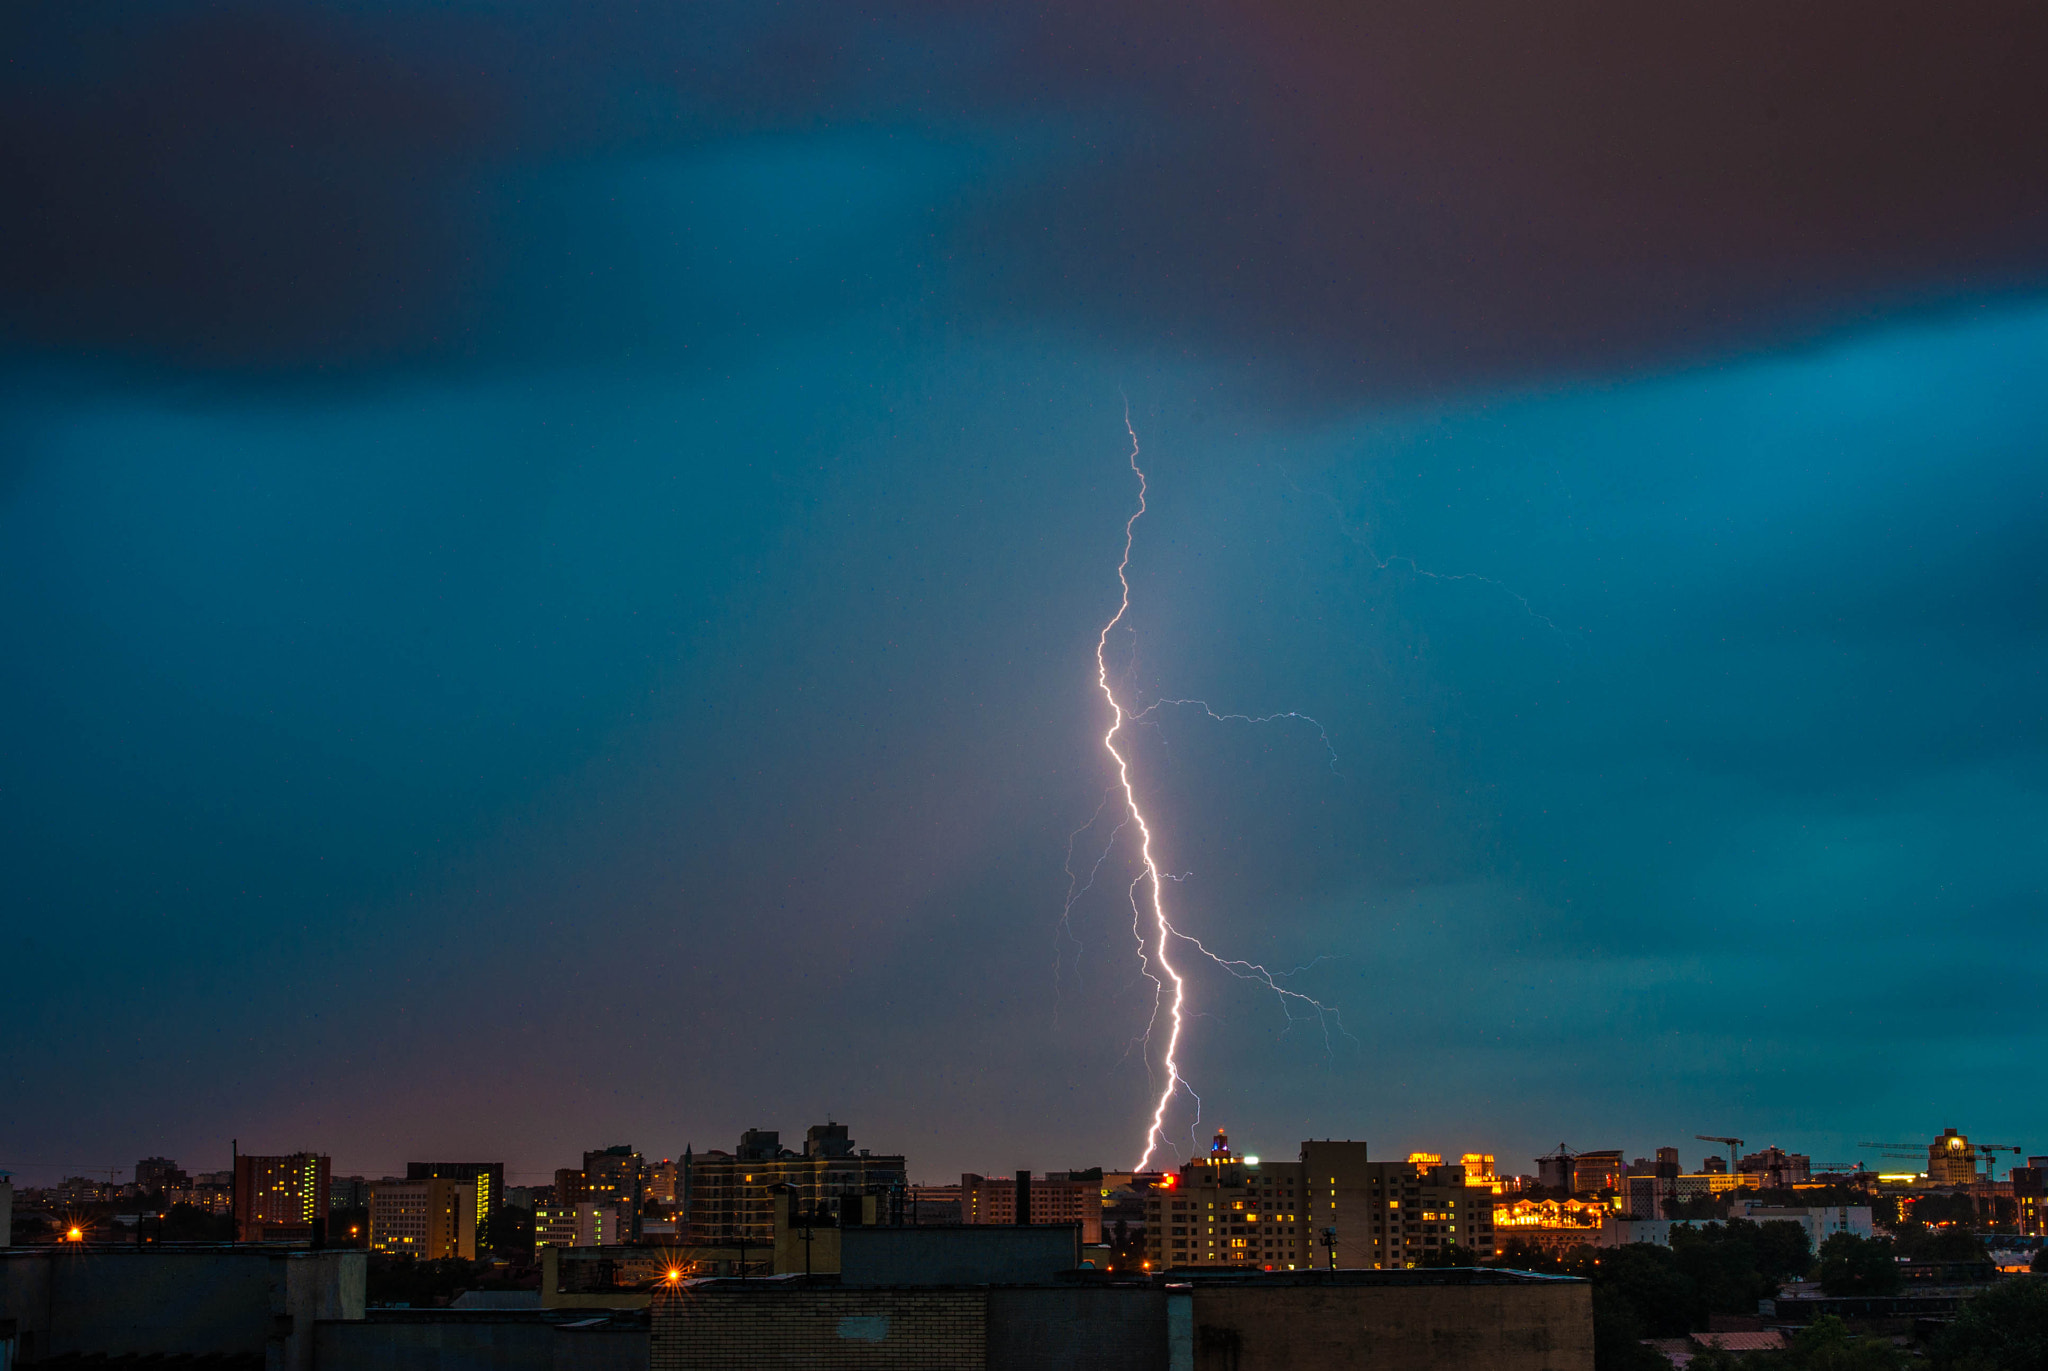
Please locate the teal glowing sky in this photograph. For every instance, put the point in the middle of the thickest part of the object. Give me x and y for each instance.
(549, 572)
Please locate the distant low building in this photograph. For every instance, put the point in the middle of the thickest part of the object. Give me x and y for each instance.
(1056, 1197)
(159, 1174)
(1775, 1168)
(1820, 1222)
(935, 1204)
(585, 1223)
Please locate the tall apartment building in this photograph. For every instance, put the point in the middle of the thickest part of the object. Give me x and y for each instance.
(730, 1194)
(1231, 1211)
(427, 1219)
(1332, 1208)
(1056, 1197)
(280, 1199)
(488, 1180)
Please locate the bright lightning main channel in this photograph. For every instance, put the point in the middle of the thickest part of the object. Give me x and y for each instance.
(1157, 946)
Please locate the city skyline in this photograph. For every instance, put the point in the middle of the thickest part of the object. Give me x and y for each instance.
(1695, 1153)
(551, 570)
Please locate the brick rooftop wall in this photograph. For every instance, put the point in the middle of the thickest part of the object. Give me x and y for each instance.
(820, 1330)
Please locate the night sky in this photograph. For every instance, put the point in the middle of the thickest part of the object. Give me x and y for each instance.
(550, 558)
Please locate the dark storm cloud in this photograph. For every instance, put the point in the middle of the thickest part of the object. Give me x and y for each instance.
(655, 657)
(1429, 192)
(1336, 196)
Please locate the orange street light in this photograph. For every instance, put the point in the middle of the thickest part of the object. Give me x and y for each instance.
(76, 1234)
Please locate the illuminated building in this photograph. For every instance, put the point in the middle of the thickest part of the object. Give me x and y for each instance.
(1332, 1208)
(729, 1194)
(585, 1223)
(663, 1182)
(280, 1199)
(1417, 1210)
(427, 1219)
(1555, 1226)
(1230, 1211)
(488, 1179)
(1951, 1160)
(1056, 1197)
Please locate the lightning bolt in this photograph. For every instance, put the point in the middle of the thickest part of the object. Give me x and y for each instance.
(1155, 1134)
(1148, 888)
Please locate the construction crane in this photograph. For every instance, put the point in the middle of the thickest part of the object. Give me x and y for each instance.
(1564, 1156)
(1918, 1152)
(1991, 1162)
(1733, 1145)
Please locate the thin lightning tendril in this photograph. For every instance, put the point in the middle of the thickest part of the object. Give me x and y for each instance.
(1364, 540)
(1153, 946)
(1328, 747)
(1076, 888)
